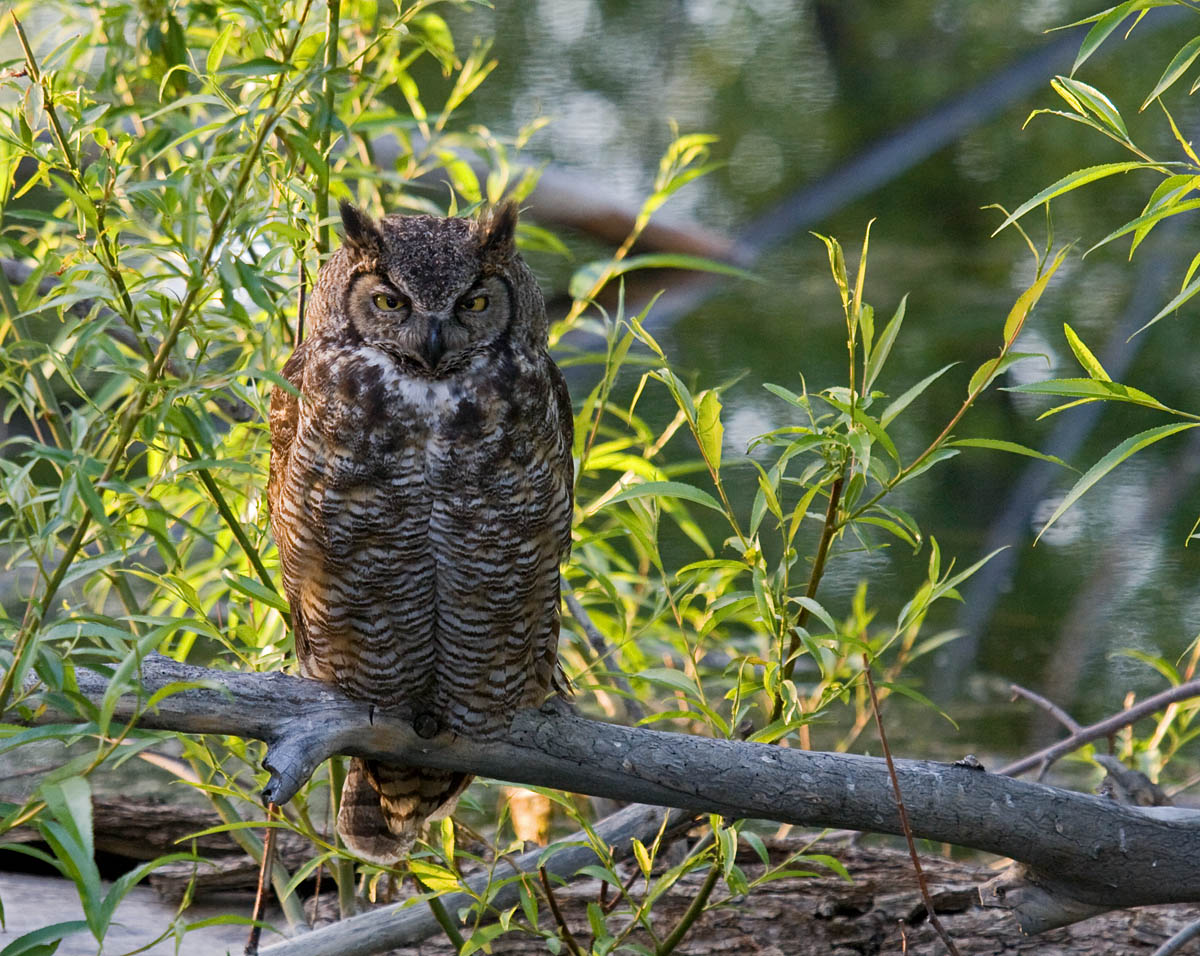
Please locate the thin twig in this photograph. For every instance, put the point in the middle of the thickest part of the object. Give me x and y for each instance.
(438, 909)
(568, 937)
(814, 580)
(908, 836)
(1049, 706)
(1103, 728)
(260, 896)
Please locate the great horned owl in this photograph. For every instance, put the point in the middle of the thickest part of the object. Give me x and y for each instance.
(420, 495)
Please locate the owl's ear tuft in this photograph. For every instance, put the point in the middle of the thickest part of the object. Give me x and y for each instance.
(499, 228)
(361, 231)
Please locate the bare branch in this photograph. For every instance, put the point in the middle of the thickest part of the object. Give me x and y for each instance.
(1081, 850)
(1048, 706)
(1103, 728)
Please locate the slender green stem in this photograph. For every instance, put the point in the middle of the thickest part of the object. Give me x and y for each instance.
(341, 868)
(321, 199)
(444, 921)
(828, 529)
(253, 846)
(699, 902)
(230, 519)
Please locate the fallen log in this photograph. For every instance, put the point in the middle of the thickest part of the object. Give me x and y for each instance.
(1081, 853)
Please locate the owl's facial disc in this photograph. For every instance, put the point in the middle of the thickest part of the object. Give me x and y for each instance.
(434, 332)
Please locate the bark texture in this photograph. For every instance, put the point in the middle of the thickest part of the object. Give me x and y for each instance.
(1080, 852)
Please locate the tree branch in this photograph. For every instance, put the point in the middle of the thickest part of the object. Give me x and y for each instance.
(1081, 851)
(1103, 728)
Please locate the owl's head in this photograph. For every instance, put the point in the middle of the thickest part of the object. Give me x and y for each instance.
(432, 293)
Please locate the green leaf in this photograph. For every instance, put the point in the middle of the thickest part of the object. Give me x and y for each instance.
(920, 698)
(1130, 446)
(1029, 298)
(596, 920)
(709, 430)
(1175, 69)
(1084, 355)
(1088, 99)
(1092, 390)
(1145, 222)
(668, 489)
(216, 53)
(1105, 23)
(814, 607)
(668, 677)
(898, 405)
(1009, 446)
(892, 527)
(70, 802)
(757, 845)
(1081, 177)
(883, 348)
(256, 590)
(43, 941)
(258, 66)
(1188, 291)
(993, 368)
(584, 281)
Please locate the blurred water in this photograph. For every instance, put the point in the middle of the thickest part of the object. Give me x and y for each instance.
(797, 89)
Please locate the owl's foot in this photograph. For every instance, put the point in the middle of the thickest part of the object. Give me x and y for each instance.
(556, 705)
(426, 725)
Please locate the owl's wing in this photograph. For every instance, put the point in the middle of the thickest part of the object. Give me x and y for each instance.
(285, 421)
(548, 653)
(566, 424)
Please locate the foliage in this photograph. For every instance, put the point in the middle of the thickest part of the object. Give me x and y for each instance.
(1176, 192)
(168, 171)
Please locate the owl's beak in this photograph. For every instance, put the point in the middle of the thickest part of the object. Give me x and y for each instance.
(434, 346)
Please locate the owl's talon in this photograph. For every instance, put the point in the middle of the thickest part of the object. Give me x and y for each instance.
(558, 706)
(426, 725)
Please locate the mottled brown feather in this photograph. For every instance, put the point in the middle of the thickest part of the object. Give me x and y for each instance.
(420, 495)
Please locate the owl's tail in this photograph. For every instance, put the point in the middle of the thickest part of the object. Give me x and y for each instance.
(384, 807)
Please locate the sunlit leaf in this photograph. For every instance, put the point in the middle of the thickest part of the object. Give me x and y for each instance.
(584, 280)
(1090, 363)
(993, 368)
(1130, 446)
(668, 489)
(1175, 69)
(879, 354)
(1029, 298)
(1090, 388)
(709, 431)
(1086, 98)
(1008, 446)
(1081, 177)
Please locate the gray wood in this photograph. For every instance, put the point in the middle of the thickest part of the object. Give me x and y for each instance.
(1082, 848)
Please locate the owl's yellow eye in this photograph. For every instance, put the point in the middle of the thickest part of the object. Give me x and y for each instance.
(477, 304)
(389, 303)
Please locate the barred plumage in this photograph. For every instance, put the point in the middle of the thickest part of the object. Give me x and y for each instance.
(420, 495)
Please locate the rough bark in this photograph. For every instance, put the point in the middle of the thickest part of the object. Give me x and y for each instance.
(1078, 850)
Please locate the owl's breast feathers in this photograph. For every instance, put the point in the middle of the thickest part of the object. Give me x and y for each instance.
(421, 524)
